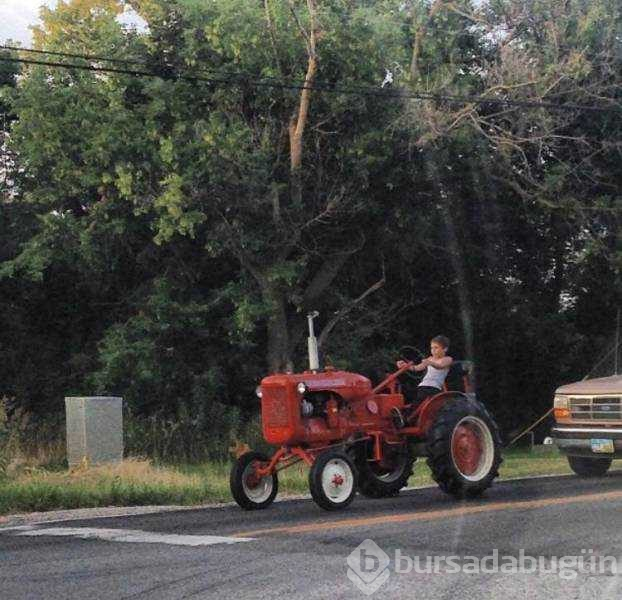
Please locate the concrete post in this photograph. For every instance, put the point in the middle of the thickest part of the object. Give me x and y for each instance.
(94, 429)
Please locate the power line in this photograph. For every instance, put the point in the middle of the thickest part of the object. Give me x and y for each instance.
(240, 79)
(73, 55)
(96, 57)
(248, 80)
(144, 63)
(263, 81)
(237, 74)
(96, 69)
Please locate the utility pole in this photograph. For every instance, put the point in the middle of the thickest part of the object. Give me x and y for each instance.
(617, 341)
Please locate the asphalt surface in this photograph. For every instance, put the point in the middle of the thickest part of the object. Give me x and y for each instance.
(296, 550)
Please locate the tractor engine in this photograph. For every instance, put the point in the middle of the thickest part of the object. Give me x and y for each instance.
(310, 406)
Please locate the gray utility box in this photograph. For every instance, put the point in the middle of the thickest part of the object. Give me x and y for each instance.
(94, 429)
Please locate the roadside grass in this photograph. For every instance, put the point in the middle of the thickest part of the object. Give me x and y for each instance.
(133, 482)
(136, 482)
(543, 460)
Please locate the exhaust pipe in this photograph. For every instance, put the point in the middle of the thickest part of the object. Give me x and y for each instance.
(314, 358)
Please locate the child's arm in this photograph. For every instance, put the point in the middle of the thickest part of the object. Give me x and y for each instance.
(438, 363)
(422, 366)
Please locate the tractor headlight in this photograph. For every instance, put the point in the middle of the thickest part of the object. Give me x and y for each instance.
(302, 387)
(560, 402)
(258, 391)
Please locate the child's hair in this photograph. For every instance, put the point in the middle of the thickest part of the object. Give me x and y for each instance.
(443, 340)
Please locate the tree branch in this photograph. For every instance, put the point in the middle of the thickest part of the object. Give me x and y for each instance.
(323, 278)
(346, 309)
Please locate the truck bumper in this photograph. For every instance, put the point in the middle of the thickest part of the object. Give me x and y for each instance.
(577, 441)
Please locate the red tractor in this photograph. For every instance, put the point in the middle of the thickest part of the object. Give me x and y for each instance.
(346, 431)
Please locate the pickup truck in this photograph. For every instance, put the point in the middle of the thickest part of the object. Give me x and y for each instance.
(588, 427)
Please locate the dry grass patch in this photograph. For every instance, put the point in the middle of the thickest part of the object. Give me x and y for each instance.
(136, 482)
(130, 483)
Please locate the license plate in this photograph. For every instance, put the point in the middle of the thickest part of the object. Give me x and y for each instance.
(602, 446)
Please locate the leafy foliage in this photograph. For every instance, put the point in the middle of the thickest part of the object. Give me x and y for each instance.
(161, 243)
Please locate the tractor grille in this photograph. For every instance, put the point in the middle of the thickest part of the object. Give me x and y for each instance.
(596, 408)
(274, 411)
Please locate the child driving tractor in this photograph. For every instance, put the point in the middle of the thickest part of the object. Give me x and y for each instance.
(436, 367)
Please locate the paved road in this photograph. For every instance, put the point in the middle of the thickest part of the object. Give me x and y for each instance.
(295, 550)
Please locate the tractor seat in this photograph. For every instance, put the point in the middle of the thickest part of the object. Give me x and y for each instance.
(460, 377)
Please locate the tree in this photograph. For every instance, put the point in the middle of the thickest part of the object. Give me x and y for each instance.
(170, 232)
(291, 210)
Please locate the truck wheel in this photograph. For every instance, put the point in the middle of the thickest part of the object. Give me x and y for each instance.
(589, 467)
(374, 481)
(332, 480)
(248, 490)
(463, 447)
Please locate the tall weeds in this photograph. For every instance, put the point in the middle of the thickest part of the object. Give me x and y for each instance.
(190, 435)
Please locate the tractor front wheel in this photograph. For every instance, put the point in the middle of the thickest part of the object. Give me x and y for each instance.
(248, 490)
(332, 480)
(463, 448)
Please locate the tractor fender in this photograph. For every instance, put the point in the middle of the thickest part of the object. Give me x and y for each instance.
(431, 406)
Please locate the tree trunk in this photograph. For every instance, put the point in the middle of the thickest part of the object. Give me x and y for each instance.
(278, 350)
(298, 121)
(456, 255)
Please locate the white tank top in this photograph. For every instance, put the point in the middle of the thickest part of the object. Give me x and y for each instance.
(435, 377)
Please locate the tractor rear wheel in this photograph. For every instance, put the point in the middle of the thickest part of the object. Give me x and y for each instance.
(379, 481)
(248, 490)
(332, 480)
(463, 447)
(585, 466)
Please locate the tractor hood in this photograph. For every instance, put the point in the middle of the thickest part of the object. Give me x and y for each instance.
(348, 385)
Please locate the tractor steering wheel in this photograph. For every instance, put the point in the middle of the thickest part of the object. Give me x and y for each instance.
(412, 353)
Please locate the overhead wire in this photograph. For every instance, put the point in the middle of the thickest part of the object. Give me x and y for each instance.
(145, 63)
(241, 78)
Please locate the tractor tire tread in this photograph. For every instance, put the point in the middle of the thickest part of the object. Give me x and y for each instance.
(438, 448)
(237, 489)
